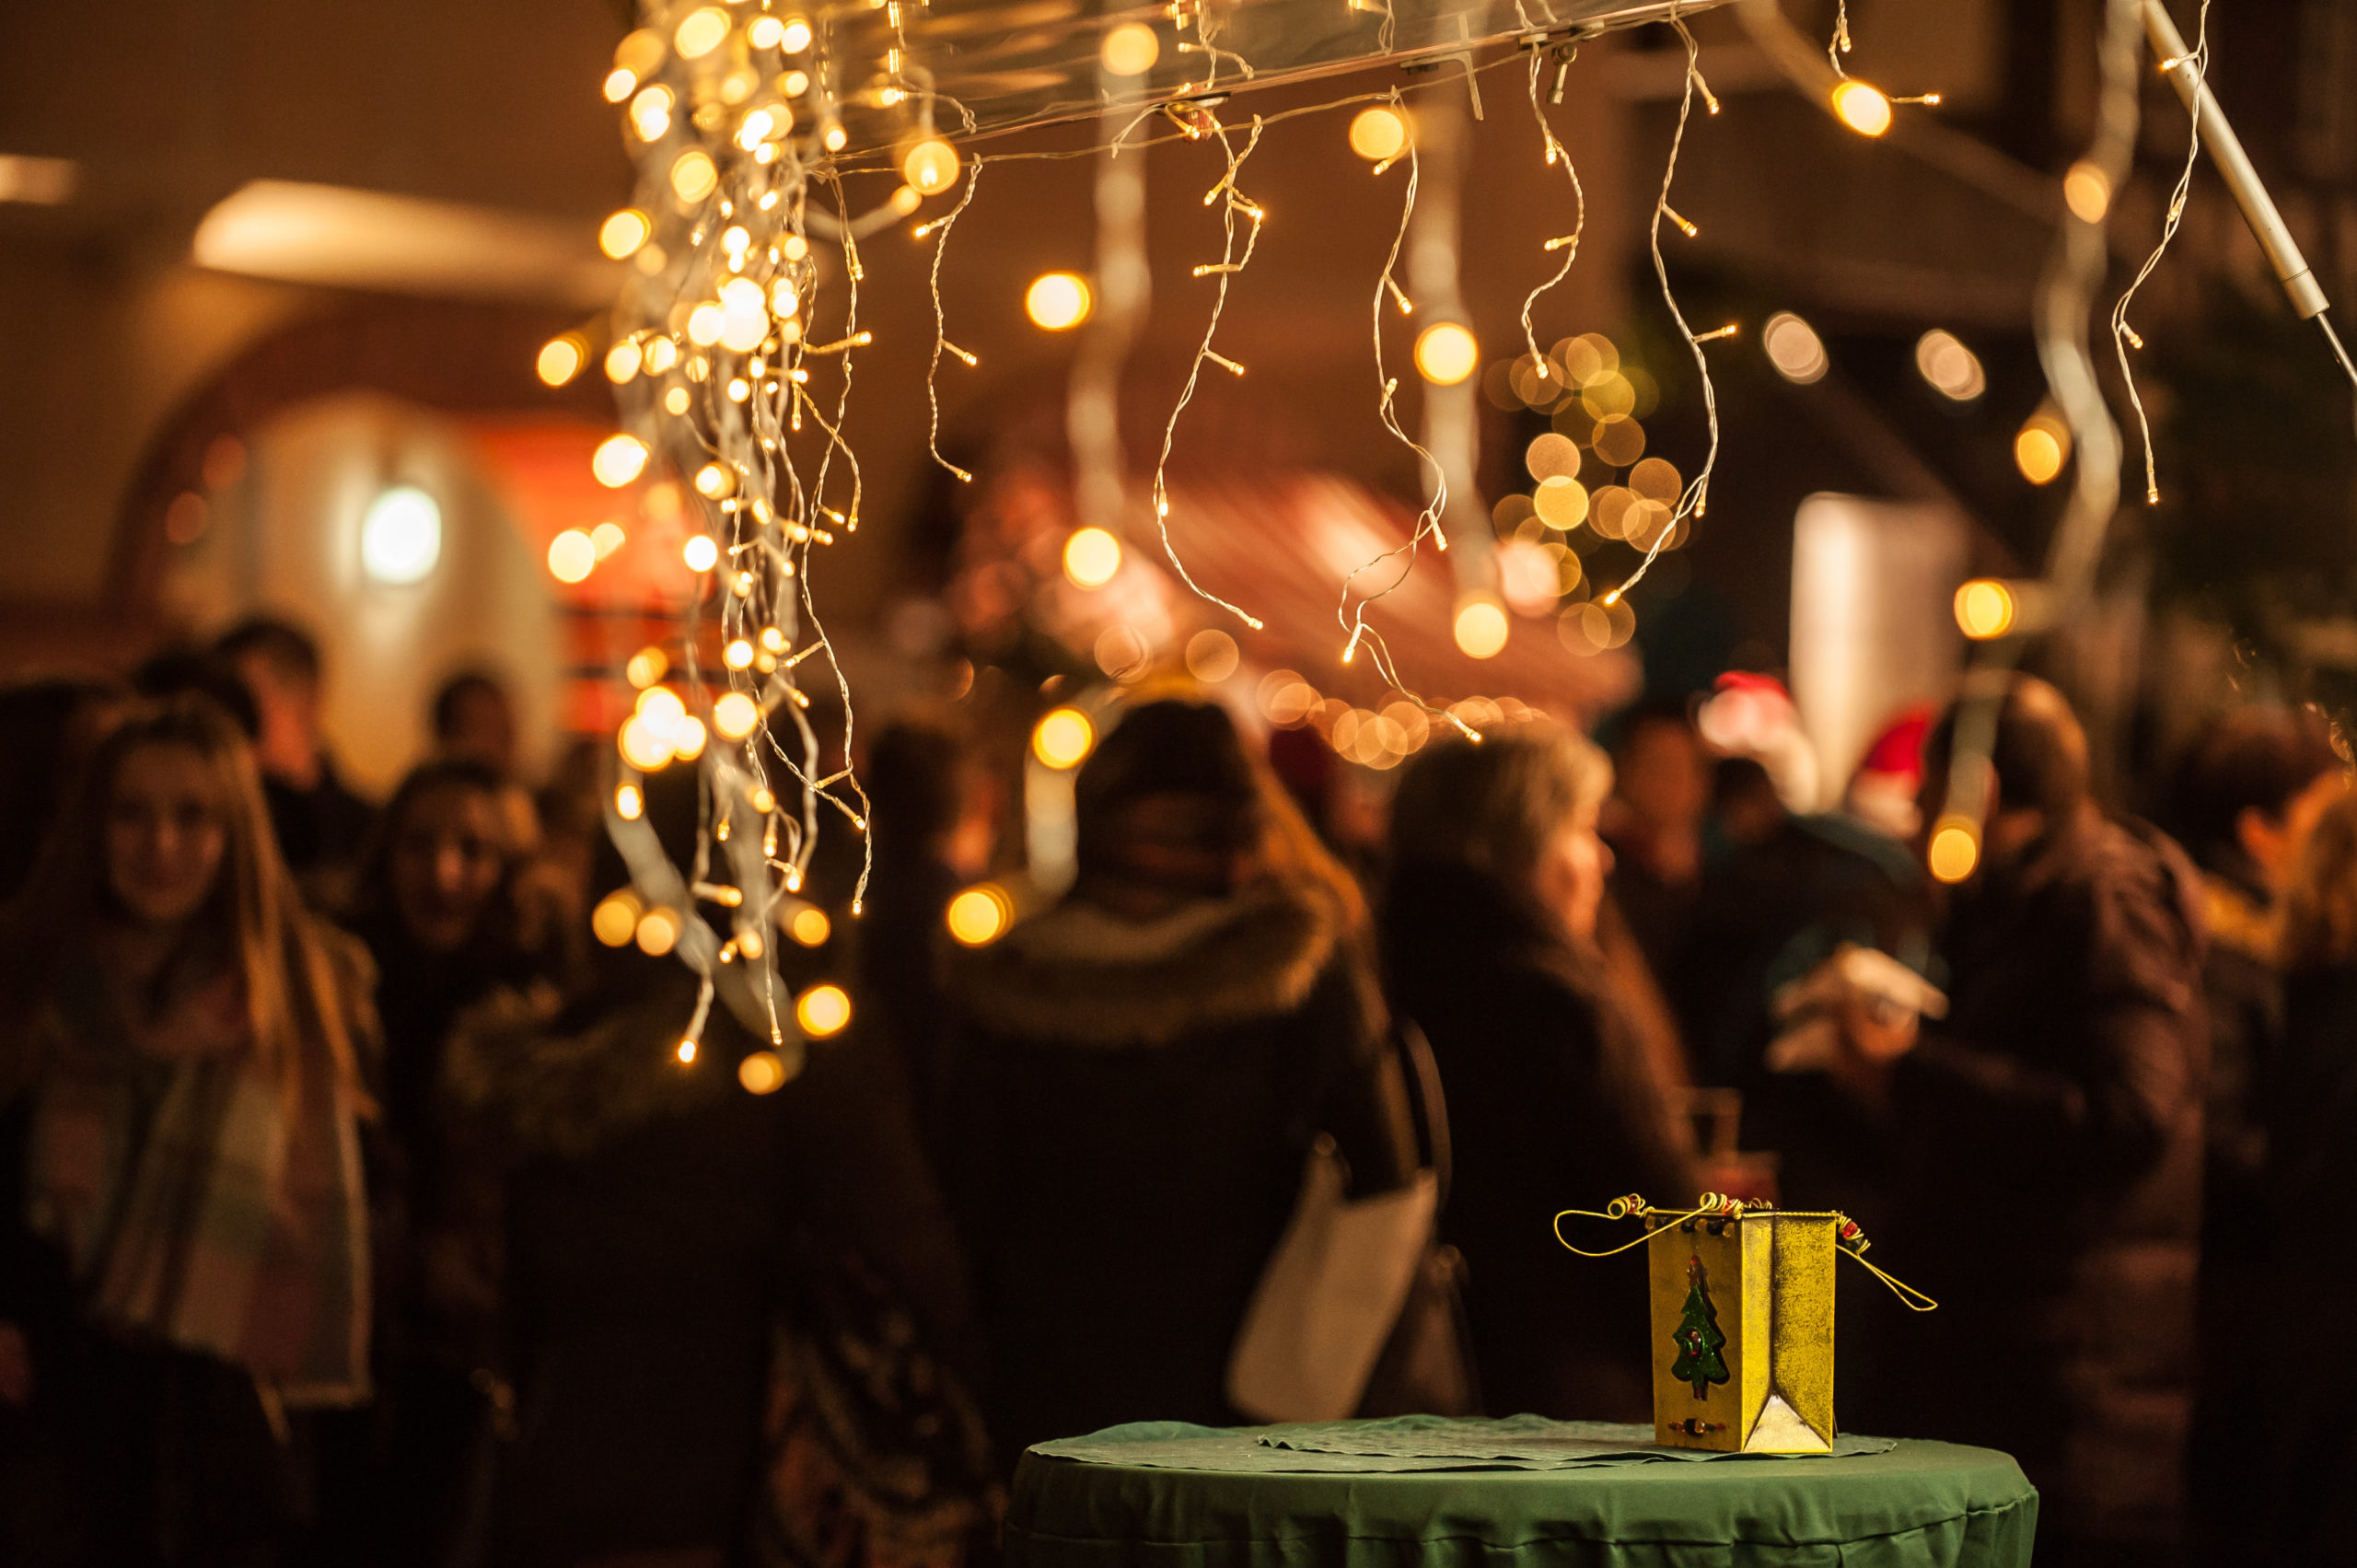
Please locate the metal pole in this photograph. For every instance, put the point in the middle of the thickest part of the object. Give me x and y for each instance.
(2234, 164)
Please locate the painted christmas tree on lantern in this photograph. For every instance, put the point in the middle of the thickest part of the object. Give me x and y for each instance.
(1698, 1337)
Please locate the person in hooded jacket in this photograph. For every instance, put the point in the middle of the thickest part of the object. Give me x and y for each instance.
(1141, 1070)
(2044, 1147)
(2304, 1489)
(1491, 944)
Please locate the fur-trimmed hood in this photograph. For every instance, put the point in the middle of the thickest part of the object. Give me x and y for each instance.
(1080, 975)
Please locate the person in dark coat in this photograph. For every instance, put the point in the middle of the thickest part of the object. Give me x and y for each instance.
(2045, 1145)
(1489, 944)
(2305, 1504)
(444, 909)
(2249, 792)
(1141, 1070)
(645, 1219)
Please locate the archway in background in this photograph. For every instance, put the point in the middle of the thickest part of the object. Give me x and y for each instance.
(255, 495)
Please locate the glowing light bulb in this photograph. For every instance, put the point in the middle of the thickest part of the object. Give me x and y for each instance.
(2086, 190)
(645, 668)
(715, 480)
(650, 113)
(737, 655)
(661, 355)
(2041, 446)
(706, 323)
(810, 927)
(623, 361)
(619, 83)
(607, 538)
(1378, 134)
(931, 166)
(1863, 108)
(658, 931)
(796, 37)
(692, 175)
(561, 359)
(1951, 368)
(688, 738)
(644, 745)
(834, 137)
(822, 1010)
(400, 536)
(1480, 628)
(1129, 50)
(1794, 349)
(734, 715)
(744, 315)
(573, 555)
(1447, 353)
(618, 460)
(701, 33)
(762, 1072)
(980, 915)
(1953, 851)
(766, 32)
(630, 805)
(661, 706)
(1058, 300)
(1063, 739)
(1092, 557)
(686, 1053)
(700, 553)
(624, 233)
(1984, 609)
(615, 920)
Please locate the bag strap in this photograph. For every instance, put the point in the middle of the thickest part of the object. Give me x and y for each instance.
(1431, 1104)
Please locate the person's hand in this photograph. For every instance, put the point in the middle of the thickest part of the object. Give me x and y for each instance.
(1877, 1029)
(1876, 1032)
(15, 1367)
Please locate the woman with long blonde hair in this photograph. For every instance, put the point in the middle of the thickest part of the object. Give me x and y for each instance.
(180, 1042)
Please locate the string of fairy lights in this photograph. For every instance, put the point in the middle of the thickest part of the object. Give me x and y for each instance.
(732, 353)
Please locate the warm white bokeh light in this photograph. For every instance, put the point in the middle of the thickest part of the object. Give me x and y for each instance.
(1063, 739)
(400, 536)
(1092, 558)
(1057, 301)
(1447, 353)
(1480, 628)
(1794, 349)
(1130, 49)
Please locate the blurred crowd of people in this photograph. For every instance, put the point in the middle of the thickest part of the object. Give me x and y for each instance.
(356, 1207)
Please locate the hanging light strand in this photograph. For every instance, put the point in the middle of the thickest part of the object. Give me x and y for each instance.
(941, 343)
(1349, 615)
(2123, 336)
(1696, 499)
(1235, 205)
(1568, 244)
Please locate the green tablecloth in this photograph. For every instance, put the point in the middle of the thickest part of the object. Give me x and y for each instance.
(1208, 1498)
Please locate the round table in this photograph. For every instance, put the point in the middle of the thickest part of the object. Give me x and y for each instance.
(1168, 1495)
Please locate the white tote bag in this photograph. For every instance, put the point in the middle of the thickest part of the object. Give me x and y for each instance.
(1330, 1295)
